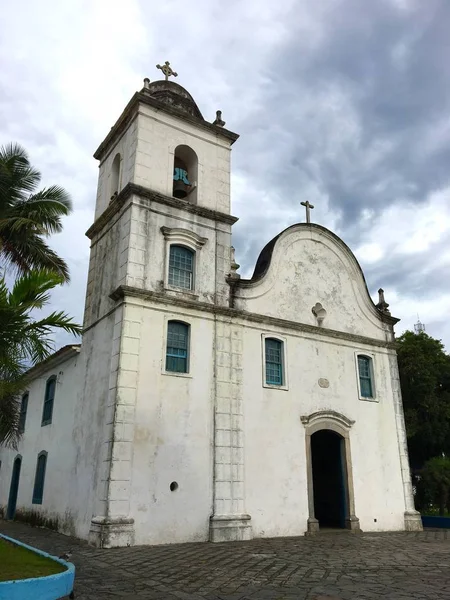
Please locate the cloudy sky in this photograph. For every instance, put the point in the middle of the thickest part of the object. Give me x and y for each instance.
(345, 103)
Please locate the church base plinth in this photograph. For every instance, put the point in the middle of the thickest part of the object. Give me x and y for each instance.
(111, 532)
(230, 528)
(352, 524)
(313, 526)
(413, 521)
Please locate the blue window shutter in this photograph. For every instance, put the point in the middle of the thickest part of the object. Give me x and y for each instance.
(365, 376)
(181, 267)
(177, 347)
(49, 398)
(23, 412)
(38, 490)
(274, 361)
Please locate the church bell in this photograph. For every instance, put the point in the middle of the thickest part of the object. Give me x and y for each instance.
(181, 185)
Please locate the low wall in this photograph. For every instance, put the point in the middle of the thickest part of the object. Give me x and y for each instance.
(440, 522)
(52, 587)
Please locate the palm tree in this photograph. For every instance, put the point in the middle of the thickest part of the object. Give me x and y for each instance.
(24, 341)
(27, 216)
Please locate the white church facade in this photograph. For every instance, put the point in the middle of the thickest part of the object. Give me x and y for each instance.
(201, 405)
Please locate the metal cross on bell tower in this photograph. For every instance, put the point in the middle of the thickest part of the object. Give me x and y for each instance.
(308, 207)
(167, 70)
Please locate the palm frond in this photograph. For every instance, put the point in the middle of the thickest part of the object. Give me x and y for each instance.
(31, 252)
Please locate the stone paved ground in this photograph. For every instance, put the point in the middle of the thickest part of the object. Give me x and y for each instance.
(331, 566)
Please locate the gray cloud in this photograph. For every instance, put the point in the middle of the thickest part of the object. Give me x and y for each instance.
(341, 102)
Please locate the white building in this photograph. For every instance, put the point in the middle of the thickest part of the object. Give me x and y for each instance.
(203, 406)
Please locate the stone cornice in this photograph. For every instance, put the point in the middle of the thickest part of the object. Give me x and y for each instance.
(131, 109)
(122, 292)
(146, 194)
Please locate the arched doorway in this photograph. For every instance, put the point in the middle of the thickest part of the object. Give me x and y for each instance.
(13, 490)
(329, 478)
(329, 470)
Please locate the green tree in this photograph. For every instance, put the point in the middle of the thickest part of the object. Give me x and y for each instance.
(425, 382)
(436, 480)
(28, 216)
(24, 341)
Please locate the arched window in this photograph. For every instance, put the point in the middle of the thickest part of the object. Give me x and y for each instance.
(185, 173)
(177, 350)
(274, 361)
(23, 412)
(181, 267)
(115, 177)
(38, 490)
(365, 372)
(47, 413)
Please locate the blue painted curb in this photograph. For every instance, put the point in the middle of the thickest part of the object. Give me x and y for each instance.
(52, 587)
(440, 522)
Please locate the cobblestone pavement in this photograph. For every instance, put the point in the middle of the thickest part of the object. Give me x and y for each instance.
(330, 566)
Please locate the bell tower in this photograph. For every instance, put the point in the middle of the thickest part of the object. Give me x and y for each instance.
(160, 249)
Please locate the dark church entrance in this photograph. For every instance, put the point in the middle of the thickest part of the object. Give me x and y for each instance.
(329, 478)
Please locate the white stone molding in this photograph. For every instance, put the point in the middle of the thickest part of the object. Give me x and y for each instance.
(185, 237)
(229, 521)
(370, 355)
(340, 424)
(112, 525)
(413, 521)
(284, 361)
(327, 416)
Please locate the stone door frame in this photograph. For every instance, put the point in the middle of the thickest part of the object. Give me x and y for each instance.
(340, 424)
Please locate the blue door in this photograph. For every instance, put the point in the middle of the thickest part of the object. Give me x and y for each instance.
(11, 511)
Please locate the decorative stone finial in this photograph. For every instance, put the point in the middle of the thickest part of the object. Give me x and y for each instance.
(233, 265)
(319, 312)
(167, 70)
(218, 120)
(308, 207)
(382, 304)
(146, 83)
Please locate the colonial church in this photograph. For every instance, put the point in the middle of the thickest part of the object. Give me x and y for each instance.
(201, 405)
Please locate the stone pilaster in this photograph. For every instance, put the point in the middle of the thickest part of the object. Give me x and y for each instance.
(113, 525)
(229, 521)
(413, 522)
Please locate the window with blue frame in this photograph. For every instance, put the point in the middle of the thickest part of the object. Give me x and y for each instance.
(49, 398)
(274, 361)
(38, 490)
(365, 372)
(23, 412)
(177, 350)
(181, 267)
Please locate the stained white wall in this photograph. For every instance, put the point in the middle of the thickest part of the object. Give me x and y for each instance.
(309, 265)
(147, 265)
(158, 134)
(147, 148)
(276, 484)
(56, 440)
(173, 433)
(126, 146)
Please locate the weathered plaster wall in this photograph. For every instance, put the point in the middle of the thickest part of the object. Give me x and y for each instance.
(173, 432)
(126, 146)
(56, 440)
(158, 134)
(93, 422)
(308, 266)
(148, 252)
(276, 483)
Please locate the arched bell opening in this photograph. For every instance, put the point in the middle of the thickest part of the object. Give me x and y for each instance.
(115, 177)
(185, 172)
